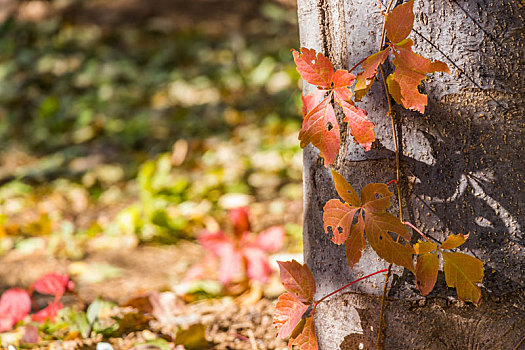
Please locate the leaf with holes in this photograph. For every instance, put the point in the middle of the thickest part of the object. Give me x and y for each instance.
(399, 22)
(463, 272)
(320, 128)
(366, 78)
(453, 241)
(376, 197)
(338, 217)
(377, 228)
(289, 311)
(427, 266)
(411, 69)
(315, 69)
(297, 279)
(304, 335)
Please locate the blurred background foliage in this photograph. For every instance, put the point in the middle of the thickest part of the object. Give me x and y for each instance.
(133, 121)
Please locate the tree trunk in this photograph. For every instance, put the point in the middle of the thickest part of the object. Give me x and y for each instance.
(462, 167)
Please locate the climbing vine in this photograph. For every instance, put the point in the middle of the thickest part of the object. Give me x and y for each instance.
(355, 219)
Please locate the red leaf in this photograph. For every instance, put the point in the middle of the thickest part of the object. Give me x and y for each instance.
(15, 304)
(257, 265)
(399, 22)
(271, 239)
(203, 270)
(355, 244)
(53, 284)
(314, 69)
(240, 219)
(366, 78)
(288, 313)
(377, 226)
(320, 127)
(306, 339)
(411, 69)
(345, 190)
(360, 127)
(338, 217)
(427, 267)
(297, 279)
(48, 313)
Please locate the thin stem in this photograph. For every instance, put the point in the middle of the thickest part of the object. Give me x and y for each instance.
(345, 286)
(379, 343)
(358, 64)
(415, 229)
(391, 182)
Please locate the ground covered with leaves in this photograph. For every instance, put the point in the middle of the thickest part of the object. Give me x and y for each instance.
(131, 134)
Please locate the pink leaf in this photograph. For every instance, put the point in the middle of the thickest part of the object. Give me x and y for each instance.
(15, 304)
(271, 239)
(216, 242)
(258, 267)
(31, 335)
(231, 264)
(53, 284)
(240, 219)
(48, 313)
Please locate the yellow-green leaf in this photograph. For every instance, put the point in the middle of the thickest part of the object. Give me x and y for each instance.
(454, 241)
(422, 247)
(463, 272)
(345, 190)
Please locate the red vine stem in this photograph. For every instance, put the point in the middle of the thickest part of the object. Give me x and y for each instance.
(379, 343)
(415, 229)
(358, 64)
(345, 286)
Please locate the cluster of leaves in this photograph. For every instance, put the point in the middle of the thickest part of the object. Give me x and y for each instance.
(349, 220)
(320, 126)
(293, 315)
(240, 255)
(15, 303)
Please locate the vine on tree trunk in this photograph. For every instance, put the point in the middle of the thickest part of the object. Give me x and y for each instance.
(356, 217)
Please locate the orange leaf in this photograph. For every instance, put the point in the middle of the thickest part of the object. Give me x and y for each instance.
(297, 279)
(288, 313)
(311, 100)
(306, 339)
(320, 127)
(424, 247)
(345, 190)
(343, 80)
(314, 69)
(355, 244)
(427, 267)
(339, 217)
(411, 69)
(463, 272)
(377, 226)
(360, 127)
(376, 197)
(454, 241)
(366, 78)
(399, 22)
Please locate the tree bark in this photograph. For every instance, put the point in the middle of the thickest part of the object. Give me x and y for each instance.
(462, 169)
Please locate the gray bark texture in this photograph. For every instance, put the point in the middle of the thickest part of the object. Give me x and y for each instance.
(462, 166)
